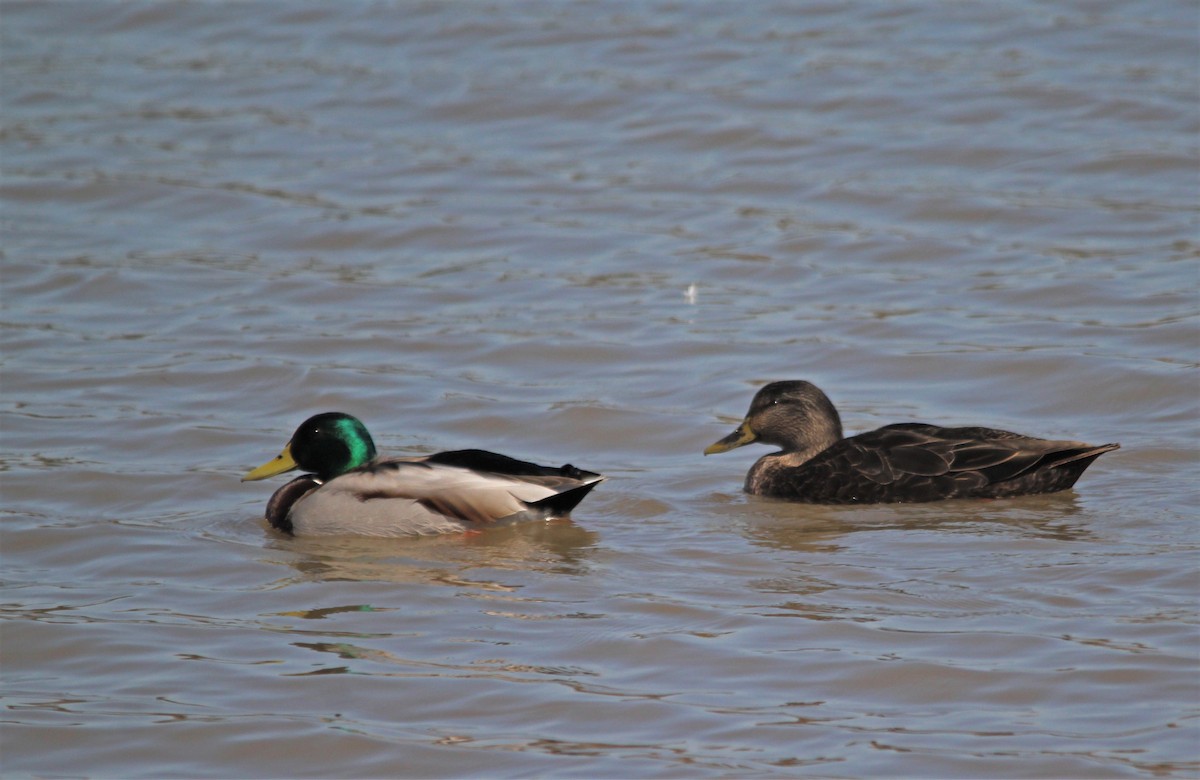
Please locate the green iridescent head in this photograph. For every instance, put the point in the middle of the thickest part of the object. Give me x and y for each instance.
(326, 444)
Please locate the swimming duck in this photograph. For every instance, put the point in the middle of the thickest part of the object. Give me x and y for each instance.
(351, 490)
(906, 462)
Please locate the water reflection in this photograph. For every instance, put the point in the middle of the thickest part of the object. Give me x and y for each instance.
(558, 547)
(477, 668)
(814, 528)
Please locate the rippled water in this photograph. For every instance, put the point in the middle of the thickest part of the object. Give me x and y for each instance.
(587, 233)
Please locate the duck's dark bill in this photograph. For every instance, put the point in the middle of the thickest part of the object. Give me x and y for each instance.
(743, 435)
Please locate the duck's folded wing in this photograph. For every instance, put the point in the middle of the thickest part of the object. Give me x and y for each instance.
(986, 454)
(462, 494)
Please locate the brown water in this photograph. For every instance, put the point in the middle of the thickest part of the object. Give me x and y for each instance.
(587, 233)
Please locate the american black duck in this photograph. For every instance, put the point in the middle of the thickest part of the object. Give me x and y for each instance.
(906, 462)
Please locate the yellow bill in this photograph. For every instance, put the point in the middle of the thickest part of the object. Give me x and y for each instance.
(742, 435)
(277, 465)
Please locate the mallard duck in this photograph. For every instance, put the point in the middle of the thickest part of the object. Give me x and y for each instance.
(350, 490)
(896, 463)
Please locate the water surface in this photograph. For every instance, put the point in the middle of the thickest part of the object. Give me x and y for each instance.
(587, 233)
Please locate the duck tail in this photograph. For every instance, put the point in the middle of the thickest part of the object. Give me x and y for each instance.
(1087, 454)
(561, 504)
